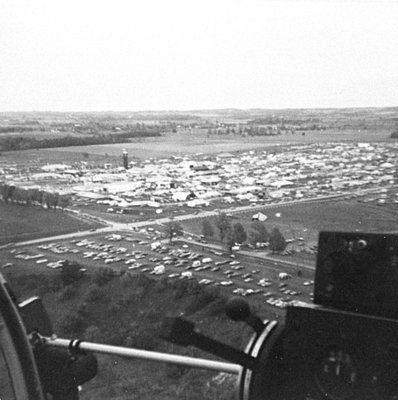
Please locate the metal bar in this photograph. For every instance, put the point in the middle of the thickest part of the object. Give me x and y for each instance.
(149, 355)
(222, 350)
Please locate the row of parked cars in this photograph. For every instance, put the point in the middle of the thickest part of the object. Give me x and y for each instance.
(176, 262)
(164, 256)
(38, 258)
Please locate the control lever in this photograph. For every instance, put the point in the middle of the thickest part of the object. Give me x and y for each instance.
(237, 309)
(182, 332)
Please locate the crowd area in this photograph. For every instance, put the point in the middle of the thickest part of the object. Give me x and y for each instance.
(251, 177)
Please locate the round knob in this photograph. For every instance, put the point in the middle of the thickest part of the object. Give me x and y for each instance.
(237, 309)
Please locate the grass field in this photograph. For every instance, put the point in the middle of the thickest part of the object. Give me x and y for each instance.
(307, 220)
(185, 143)
(188, 143)
(43, 156)
(18, 223)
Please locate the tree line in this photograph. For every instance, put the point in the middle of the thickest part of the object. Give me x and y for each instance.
(12, 143)
(248, 130)
(19, 128)
(33, 196)
(231, 234)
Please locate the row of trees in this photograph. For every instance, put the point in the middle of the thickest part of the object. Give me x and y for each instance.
(19, 128)
(230, 234)
(11, 143)
(18, 195)
(249, 130)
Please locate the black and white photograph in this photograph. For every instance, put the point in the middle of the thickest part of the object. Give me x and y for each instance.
(199, 200)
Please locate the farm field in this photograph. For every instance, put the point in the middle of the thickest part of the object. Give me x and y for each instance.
(18, 223)
(54, 155)
(188, 143)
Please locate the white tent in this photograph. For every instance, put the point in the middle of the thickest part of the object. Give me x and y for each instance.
(197, 202)
(180, 196)
(259, 217)
(282, 183)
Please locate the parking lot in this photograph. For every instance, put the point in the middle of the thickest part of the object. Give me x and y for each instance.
(144, 252)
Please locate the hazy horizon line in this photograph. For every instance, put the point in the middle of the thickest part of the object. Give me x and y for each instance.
(202, 109)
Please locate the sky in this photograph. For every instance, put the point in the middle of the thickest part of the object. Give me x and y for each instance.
(94, 55)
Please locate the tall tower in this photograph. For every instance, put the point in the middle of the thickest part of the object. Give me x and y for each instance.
(125, 159)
